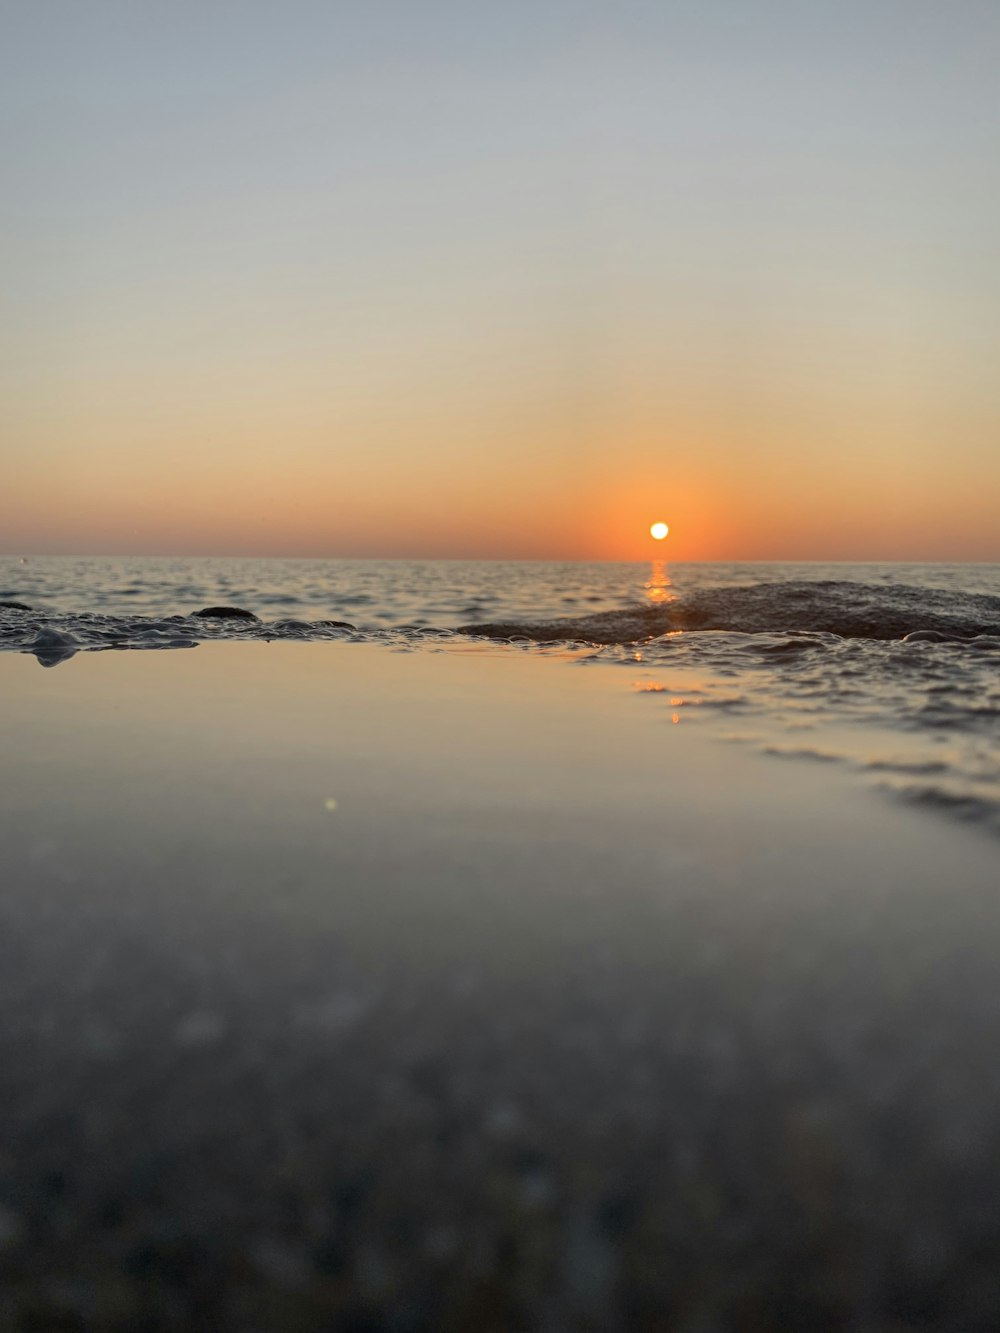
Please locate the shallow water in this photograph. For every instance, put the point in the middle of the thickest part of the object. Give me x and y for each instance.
(892, 670)
(426, 980)
(342, 988)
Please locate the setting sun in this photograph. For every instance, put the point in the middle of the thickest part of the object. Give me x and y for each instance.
(659, 531)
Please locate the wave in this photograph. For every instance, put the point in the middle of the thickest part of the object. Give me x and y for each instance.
(55, 638)
(843, 609)
(847, 609)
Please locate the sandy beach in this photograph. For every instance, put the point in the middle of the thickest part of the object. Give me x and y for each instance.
(347, 988)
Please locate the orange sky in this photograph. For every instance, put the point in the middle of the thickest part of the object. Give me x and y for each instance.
(503, 284)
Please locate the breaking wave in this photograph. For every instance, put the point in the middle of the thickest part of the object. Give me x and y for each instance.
(847, 609)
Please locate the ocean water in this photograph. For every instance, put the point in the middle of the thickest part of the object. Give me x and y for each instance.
(542, 946)
(892, 671)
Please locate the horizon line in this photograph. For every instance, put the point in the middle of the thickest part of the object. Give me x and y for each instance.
(488, 559)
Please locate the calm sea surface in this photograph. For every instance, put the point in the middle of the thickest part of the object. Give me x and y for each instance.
(441, 593)
(890, 670)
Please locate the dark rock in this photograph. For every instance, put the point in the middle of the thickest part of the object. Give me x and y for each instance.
(225, 613)
(15, 606)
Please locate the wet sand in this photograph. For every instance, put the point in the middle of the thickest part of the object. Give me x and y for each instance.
(350, 989)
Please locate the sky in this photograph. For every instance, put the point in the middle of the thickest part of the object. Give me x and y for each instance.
(440, 279)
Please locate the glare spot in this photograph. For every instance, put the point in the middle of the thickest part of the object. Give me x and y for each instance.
(330, 803)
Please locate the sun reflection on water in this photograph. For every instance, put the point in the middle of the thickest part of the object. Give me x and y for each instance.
(659, 583)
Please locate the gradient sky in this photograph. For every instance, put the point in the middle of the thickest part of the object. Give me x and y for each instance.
(334, 278)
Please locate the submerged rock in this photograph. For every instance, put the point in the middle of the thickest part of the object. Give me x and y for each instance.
(225, 613)
(51, 647)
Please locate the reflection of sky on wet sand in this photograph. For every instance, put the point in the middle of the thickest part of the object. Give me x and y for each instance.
(485, 933)
(466, 743)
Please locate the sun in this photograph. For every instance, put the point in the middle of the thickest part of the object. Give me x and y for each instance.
(659, 531)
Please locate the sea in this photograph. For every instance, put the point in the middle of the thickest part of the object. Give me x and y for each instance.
(889, 670)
